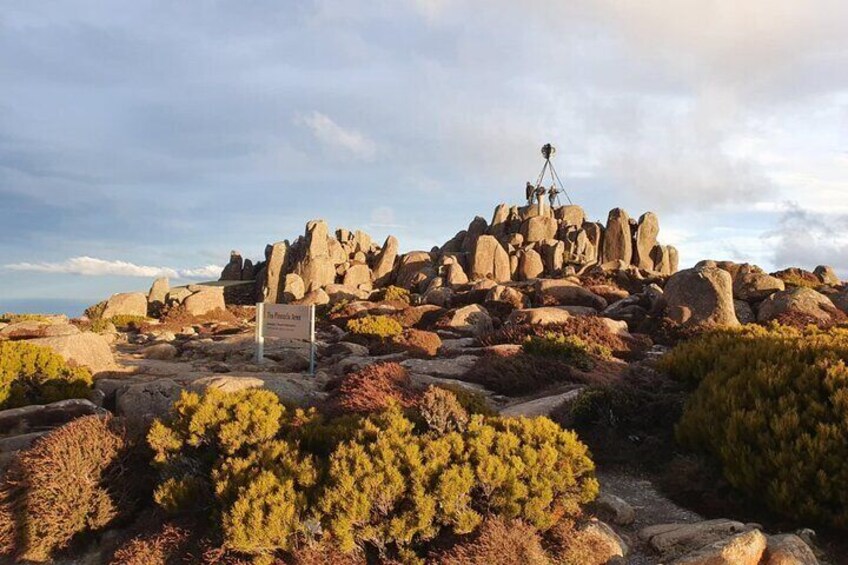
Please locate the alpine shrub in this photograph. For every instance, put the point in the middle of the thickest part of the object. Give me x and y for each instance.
(68, 482)
(520, 374)
(128, 322)
(779, 396)
(506, 542)
(396, 294)
(32, 374)
(371, 389)
(442, 412)
(568, 348)
(375, 327)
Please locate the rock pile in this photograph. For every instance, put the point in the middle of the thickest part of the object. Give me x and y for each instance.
(519, 244)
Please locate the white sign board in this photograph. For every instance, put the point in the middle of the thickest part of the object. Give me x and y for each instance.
(284, 321)
(288, 322)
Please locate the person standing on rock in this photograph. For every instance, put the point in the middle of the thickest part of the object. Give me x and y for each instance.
(540, 194)
(553, 194)
(529, 191)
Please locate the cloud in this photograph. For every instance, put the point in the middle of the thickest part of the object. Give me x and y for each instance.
(93, 267)
(335, 136)
(805, 238)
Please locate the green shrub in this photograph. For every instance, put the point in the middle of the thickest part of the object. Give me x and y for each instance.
(569, 348)
(442, 412)
(770, 405)
(69, 482)
(32, 374)
(520, 374)
(375, 326)
(592, 330)
(392, 486)
(396, 294)
(127, 322)
(471, 401)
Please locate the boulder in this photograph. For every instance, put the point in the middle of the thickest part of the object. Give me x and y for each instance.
(538, 228)
(744, 313)
(30, 329)
(277, 257)
(617, 240)
(530, 265)
(511, 296)
(673, 259)
(440, 296)
(415, 268)
(614, 509)
(477, 228)
(560, 292)
(455, 275)
(160, 351)
(753, 285)
(87, 349)
(552, 252)
(46, 415)
(742, 549)
(205, 301)
(788, 549)
(827, 275)
(385, 263)
(472, 319)
(701, 296)
(293, 288)
(225, 383)
(315, 297)
(539, 316)
(489, 260)
(661, 259)
(125, 304)
(498, 226)
(232, 271)
(158, 293)
(339, 292)
(674, 540)
(798, 300)
(143, 402)
(315, 265)
(358, 275)
(646, 240)
(571, 215)
(606, 544)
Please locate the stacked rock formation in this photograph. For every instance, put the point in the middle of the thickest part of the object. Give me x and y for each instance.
(519, 244)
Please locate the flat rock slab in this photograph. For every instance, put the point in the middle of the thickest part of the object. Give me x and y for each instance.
(46, 415)
(442, 368)
(419, 379)
(541, 406)
(88, 349)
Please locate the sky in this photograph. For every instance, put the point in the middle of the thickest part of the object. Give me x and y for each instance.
(145, 138)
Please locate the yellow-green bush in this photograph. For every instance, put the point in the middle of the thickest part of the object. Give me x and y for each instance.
(11, 318)
(396, 294)
(32, 374)
(270, 477)
(569, 348)
(125, 322)
(392, 486)
(375, 326)
(771, 405)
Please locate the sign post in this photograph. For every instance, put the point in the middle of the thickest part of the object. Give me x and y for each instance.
(284, 321)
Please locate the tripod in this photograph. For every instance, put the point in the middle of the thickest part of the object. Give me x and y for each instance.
(548, 151)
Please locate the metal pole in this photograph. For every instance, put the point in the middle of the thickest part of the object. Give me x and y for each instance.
(312, 340)
(260, 332)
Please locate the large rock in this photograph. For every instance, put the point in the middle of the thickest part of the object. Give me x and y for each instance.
(571, 215)
(293, 288)
(232, 271)
(205, 301)
(827, 275)
(478, 227)
(358, 275)
(141, 403)
(646, 239)
(796, 301)
(416, 268)
(511, 296)
(559, 292)
(617, 240)
(125, 304)
(675, 540)
(498, 227)
(539, 316)
(385, 263)
(753, 285)
(489, 260)
(702, 296)
(315, 266)
(538, 228)
(31, 329)
(158, 293)
(742, 549)
(46, 415)
(788, 549)
(277, 256)
(472, 319)
(530, 265)
(87, 349)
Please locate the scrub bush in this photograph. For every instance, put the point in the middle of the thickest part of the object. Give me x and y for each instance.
(70, 481)
(127, 322)
(396, 294)
(592, 330)
(442, 411)
(382, 327)
(371, 389)
(569, 348)
(770, 405)
(499, 541)
(520, 374)
(32, 374)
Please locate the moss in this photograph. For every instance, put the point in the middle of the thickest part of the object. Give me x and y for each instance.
(781, 395)
(32, 374)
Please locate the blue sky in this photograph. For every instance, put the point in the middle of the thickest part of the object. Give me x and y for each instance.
(144, 137)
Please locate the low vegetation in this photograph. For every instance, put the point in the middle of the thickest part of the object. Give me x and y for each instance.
(520, 374)
(781, 395)
(569, 348)
(10, 318)
(396, 294)
(381, 327)
(71, 481)
(32, 374)
(386, 482)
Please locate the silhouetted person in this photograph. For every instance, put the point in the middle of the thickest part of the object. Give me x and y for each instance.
(528, 191)
(540, 194)
(553, 194)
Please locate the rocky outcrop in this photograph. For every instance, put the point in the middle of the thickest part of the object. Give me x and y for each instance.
(124, 304)
(415, 269)
(232, 271)
(489, 260)
(384, 263)
(797, 301)
(158, 294)
(203, 300)
(276, 257)
(314, 264)
(646, 242)
(618, 239)
(702, 296)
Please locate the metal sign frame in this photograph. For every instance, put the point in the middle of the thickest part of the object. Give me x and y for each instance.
(260, 335)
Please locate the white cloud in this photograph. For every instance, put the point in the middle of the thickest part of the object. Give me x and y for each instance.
(93, 267)
(334, 136)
